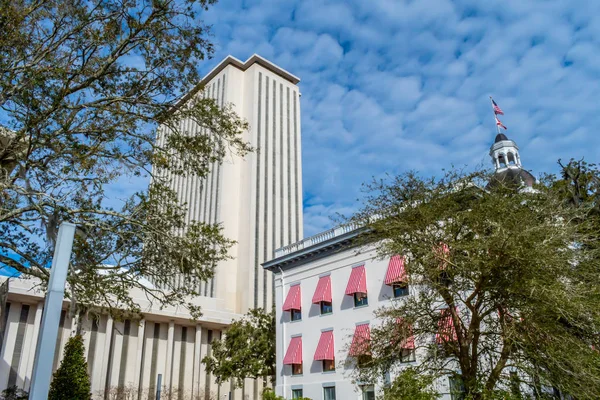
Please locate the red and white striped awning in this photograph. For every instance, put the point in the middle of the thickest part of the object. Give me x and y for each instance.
(325, 350)
(446, 329)
(405, 330)
(293, 301)
(396, 272)
(361, 342)
(357, 282)
(442, 253)
(323, 291)
(294, 352)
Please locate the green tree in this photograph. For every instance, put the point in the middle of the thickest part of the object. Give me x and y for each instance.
(410, 385)
(247, 351)
(507, 268)
(85, 91)
(71, 380)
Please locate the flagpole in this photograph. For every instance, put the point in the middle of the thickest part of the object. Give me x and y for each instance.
(494, 112)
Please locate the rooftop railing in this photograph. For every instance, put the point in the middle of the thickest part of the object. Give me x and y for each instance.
(315, 239)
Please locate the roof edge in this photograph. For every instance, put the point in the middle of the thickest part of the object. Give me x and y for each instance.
(243, 66)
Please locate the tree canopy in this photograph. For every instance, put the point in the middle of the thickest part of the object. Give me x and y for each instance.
(505, 284)
(247, 351)
(85, 89)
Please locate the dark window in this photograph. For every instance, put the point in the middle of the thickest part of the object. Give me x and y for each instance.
(296, 369)
(457, 388)
(400, 289)
(329, 393)
(368, 392)
(296, 394)
(328, 365)
(407, 355)
(360, 299)
(326, 307)
(296, 315)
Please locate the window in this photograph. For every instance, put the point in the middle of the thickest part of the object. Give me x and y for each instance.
(329, 393)
(360, 299)
(296, 315)
(400, 289)
(296, 394)
(326, 307)
(457, 389)
(407, 355)
(328, 365)
(296, 369)
(368, 392)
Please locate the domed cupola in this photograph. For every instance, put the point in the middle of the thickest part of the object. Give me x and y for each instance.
(507, 162)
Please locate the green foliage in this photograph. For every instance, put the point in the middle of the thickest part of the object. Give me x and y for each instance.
(86, 90)
(71, 380)
(14, 393)
(521, 280)
(410, 385)
(269, 394)
(247, 351)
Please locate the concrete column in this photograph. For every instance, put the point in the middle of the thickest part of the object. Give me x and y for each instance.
(106, 351)
(169, 366)
(139, 353)
(197, 360)
(31, 344)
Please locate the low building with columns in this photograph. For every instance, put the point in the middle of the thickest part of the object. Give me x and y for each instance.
(124, 357)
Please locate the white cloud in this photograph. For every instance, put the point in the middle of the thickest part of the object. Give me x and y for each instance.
(393, 85)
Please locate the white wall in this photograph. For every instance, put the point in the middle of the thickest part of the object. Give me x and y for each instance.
(343, 320)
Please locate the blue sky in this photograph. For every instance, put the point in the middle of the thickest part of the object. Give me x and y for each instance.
(393, 85)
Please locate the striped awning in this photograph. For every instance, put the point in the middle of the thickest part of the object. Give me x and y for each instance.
(361, 342)
(293, 301)
(446, 329)
(442, 253)
(396, 272)
(294, 352)
(325, 350)
(357, 282)
(406, 332)
(323, 292)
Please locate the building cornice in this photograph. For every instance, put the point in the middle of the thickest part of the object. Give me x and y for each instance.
(313, 248)
(243, 66)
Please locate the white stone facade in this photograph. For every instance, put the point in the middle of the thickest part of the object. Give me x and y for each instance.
(304, 263)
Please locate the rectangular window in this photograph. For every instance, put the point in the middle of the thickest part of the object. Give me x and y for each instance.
(328, 365)
(296, 394)
(296, 369)
(457, 388)
(296, 315)
(400, 289)
(368, 392)
(360, 299)
(326, 307)
(329, 393)
(407, 355)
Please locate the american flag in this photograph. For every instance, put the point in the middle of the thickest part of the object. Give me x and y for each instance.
(500, 124)
(497, 109)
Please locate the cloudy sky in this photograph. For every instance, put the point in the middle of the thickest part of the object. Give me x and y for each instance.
(395, 85)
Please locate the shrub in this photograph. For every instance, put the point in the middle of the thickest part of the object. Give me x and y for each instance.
(14, 393)
(71, 380)
(268, 394)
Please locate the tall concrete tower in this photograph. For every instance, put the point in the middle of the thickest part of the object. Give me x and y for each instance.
(258, 199)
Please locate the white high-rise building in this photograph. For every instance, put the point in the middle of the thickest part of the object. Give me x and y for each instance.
(257, 199)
